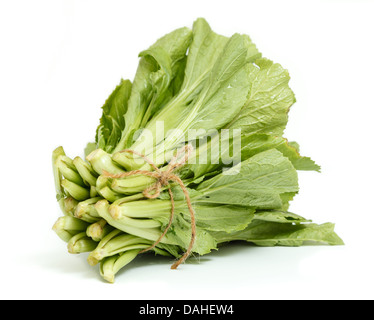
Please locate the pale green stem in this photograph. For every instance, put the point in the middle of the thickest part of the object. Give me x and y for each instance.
(133, 197)
(117, 245)
(152, 234)
(93, 192)
(100, 160)
(57, 174)
(70, 204)
(69, 173)
(86, 211)
(81, 243)
(98, 230)
(150, 208)
(110, 266)
(85, 170)
(66, 227)
(109, 194)
(77, 192)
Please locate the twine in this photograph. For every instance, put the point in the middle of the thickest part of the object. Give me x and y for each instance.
(163, 179)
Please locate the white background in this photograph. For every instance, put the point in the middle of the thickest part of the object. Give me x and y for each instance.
(59, 60)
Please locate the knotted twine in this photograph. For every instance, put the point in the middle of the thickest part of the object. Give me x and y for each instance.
(163, 179)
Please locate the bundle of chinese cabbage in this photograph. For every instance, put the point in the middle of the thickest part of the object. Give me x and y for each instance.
(188, 157)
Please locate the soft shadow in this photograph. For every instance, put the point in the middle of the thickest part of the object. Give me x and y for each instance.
(64, 262)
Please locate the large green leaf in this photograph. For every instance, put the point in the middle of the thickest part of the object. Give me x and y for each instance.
(112, 121)
(180, 234)
(266, 233)
(270, 98)
(213, 217)
(215, 88)
(279, 216)
(256, 182)
(255, 143)
(205, 48)
(157, 68)
(228, 86)
(213, 155)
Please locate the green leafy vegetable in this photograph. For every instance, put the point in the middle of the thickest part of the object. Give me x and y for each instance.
(219, 96)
